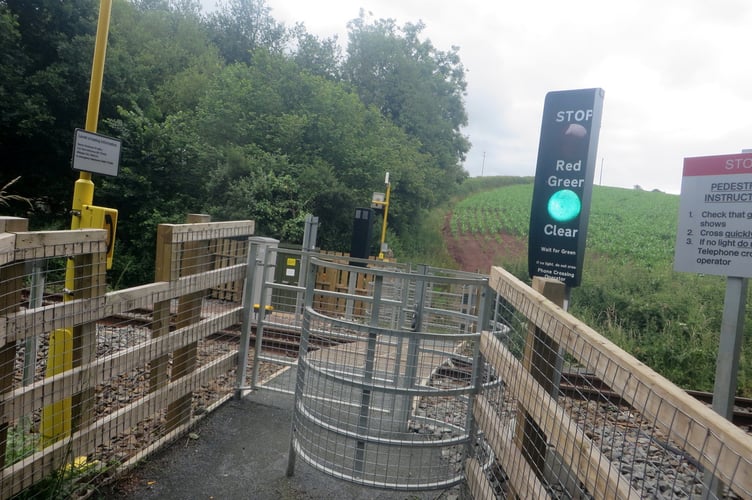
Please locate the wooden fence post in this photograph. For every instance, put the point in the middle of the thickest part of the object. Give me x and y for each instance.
(89, 282)
(165, 269)
(194, 260)
(540, 360)
(326, 279)
(11, 285)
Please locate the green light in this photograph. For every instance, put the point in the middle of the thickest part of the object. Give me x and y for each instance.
(564, 205)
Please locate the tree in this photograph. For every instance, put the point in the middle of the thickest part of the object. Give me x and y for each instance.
(272, 136)
(46, 58)
(317, 56)
(22, 109)
(254, 188)
(162, 178)
(414, 85)
(240, 27)
(273, 117)
(159, 58)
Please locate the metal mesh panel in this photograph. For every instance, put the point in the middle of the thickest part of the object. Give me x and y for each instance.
(385, 403)
(338, 290)
(577, 417)
(92, 381)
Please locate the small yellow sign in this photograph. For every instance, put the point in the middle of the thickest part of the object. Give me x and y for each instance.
(291, 261)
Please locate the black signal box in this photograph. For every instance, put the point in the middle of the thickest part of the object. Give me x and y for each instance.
(564, 184)
(360, 245)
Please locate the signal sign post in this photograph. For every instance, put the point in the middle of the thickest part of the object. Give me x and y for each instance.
(558, 224)
(714, 237)
(564, 184)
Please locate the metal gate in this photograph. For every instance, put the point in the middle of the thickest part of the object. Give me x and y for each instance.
(277, 286)
(384, 383)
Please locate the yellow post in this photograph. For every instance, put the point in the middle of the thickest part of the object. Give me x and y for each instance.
(386, 214)
(56, 418)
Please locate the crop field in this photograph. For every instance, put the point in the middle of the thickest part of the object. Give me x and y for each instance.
(625, 224)
(629, 292)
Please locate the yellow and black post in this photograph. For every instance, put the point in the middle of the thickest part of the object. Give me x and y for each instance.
(382, 202)
(56, 418)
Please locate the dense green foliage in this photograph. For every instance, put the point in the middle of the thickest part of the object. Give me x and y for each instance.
(669, 320)
(43, 93)
(231, 114)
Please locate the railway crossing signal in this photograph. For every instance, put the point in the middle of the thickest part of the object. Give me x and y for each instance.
(564, 184)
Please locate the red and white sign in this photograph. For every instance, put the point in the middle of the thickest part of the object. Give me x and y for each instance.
(715, 216)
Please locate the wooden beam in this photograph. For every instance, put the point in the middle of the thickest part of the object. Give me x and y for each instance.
(195, 259)
(600, 477)
(89, 283)
(32, 322)
(18, 402)
(210, 230)
(541, 360)
(165, 267)
(479, 487)
(7, 248)
(10, 224)
(70, 243)
(11, 285)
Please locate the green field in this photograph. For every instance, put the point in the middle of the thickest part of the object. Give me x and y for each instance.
(627, 225)
(629, 290)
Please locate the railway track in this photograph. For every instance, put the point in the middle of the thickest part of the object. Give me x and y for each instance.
(573, 384)
(586, 386)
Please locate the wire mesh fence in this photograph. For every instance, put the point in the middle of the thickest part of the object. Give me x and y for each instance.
(385, 403)
(339, 290)
(618, 431)
(92, 381)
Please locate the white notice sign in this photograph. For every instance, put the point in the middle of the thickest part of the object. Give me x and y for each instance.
(95, 153)
(715, 216)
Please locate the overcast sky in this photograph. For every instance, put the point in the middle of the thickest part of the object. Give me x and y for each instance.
(676, 74)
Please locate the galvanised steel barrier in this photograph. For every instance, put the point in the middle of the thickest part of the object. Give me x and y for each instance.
(382, 397)
(278, 278)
